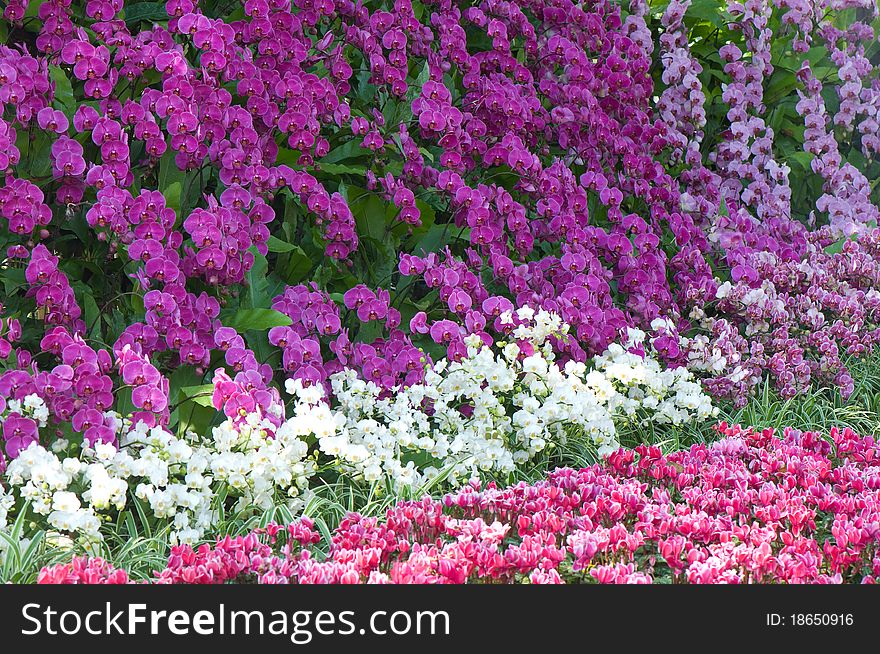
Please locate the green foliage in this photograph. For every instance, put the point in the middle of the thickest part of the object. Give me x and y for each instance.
(256, 319)
(711, 27)
(150, 12)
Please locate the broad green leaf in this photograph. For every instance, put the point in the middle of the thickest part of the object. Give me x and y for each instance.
(182, 377)
(427, 215)
(260, 319)
(172, 196)
(348, 150)
(275, 244)
(201, 394)
(151, 12)
(434, 240)
(782, 82)
(339, 169)
(802, 159)
(124, 405)
(137, 303)
(369, 212)
(287, 157)
(35, 154)
(92, 315)
(33, 9)
(63, 90)
(423, 77)
(297, 266)
(13, 279)
(257, 294)
(169, 173)
(708, 10)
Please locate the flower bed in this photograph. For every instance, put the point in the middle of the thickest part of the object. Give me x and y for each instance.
(251, 251)
(486, 413)
(749, 508)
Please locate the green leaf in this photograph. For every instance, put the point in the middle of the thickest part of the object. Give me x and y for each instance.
(35, 154)
(78, 225)
(781, 84)
(137, 304)
(63, 90)
(348, 150)
(369, 332)
(195, 409)
(33, 9)
(857, 159)
(297, 267)
(275, 244)
(287, 157)
(338, 169)
(428, 217)
(257, 293)
(124, 405)
(151, 12)
(92, 315)
(169, 173)
(172, 196)
(379, 260)
(416, 87)
(13, 278)
(390, 111)
(707, 10)
(201, 394)
(423, 77)
(436, 238)
(369, 212)
(181, 377)
(802, 159)
(260, 319)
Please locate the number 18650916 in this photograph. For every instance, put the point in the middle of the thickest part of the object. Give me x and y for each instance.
(810, 620)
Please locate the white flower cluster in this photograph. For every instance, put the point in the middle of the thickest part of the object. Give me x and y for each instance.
(32, 406)
(647, 392)
(7, 501)
(493, 410)
(260, 468)
(43, 480)
(179, 479)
